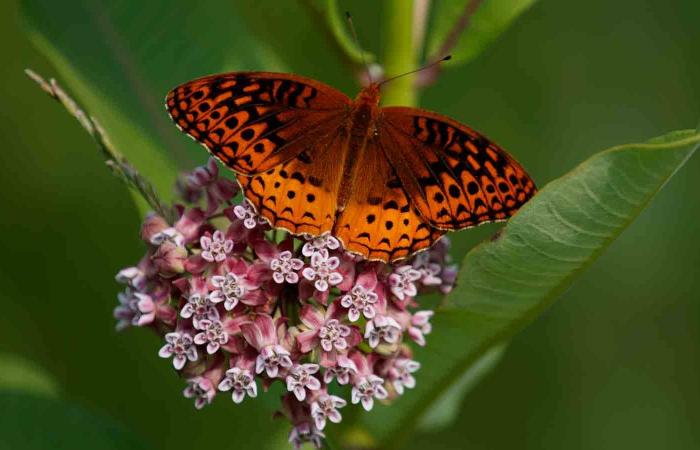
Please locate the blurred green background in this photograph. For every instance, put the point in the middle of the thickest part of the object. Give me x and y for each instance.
(614, 364)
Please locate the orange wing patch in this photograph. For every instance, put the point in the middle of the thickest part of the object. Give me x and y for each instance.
(379, 221)
(300, 195)
(455, 177)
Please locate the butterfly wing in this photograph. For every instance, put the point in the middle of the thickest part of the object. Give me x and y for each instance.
(253, 121)
(455, 177)
(379, 221)
(300, 195)
(280, 133)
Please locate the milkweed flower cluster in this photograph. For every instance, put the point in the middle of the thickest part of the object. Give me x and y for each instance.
(241, 306)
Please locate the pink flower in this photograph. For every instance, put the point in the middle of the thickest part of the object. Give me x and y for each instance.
(362, 299)
(435, 268)
(135, 309)
(234, 286)
(152, 225)
(316, 245)
(216, 247)
(169, 258)
(325, 407)
(303, 429)
(334, 336)
(199, 307)
(261, 333)
(201, 389)
(229, 289)
(285, 268)
(146, 308)
(326, 330)
(190, 224)
(382, 328)
(212, 334)
(420, 326)
(169, 234)
(205, 178)
(323, 271)
(240, 382)
(402, 282)
(306, 432)
(280, 261)
(428, 269)
(401, 374)
(449, 278)
(181, 347)
(343, 371)
(133, 276)
(300, 378)
(185, 231)
(246, 213)
(367, 386)
(126, 310)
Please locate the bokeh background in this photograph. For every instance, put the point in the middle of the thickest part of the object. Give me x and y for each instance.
(614, 364)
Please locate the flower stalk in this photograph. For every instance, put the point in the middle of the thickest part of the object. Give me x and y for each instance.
(400, 54)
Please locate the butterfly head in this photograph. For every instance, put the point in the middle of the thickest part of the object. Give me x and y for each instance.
(368, 96)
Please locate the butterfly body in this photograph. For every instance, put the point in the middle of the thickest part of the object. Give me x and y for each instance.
(386, 181)
(361, 127)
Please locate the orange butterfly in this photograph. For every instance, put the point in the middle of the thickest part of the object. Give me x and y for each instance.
(387, 182)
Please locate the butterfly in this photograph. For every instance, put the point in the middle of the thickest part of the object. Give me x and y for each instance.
(387, 182)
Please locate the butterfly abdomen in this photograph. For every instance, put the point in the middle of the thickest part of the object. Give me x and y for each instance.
(361, 126)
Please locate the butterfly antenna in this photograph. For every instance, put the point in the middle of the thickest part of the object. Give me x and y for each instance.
(427, 66)
(359, 47)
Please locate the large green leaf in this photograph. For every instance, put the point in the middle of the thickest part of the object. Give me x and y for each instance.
(507, 282)
(35, 423)
(482, 27)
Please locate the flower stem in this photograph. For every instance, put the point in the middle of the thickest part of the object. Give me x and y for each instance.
(114, 160)
(399, 53)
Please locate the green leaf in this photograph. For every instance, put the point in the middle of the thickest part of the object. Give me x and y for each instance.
(30, 423)
(505, 283)
(488, 21)
(446, 407)
(19, 374)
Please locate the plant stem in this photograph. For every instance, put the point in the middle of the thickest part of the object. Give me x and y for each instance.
(399, 53)
(114, 160)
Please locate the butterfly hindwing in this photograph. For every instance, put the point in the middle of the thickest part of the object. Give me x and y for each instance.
(455, 177)
(379, 220)
(254, 121)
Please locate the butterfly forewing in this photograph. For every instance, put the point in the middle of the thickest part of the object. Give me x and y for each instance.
(254, 121)
(300, 195)
(455, 177)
